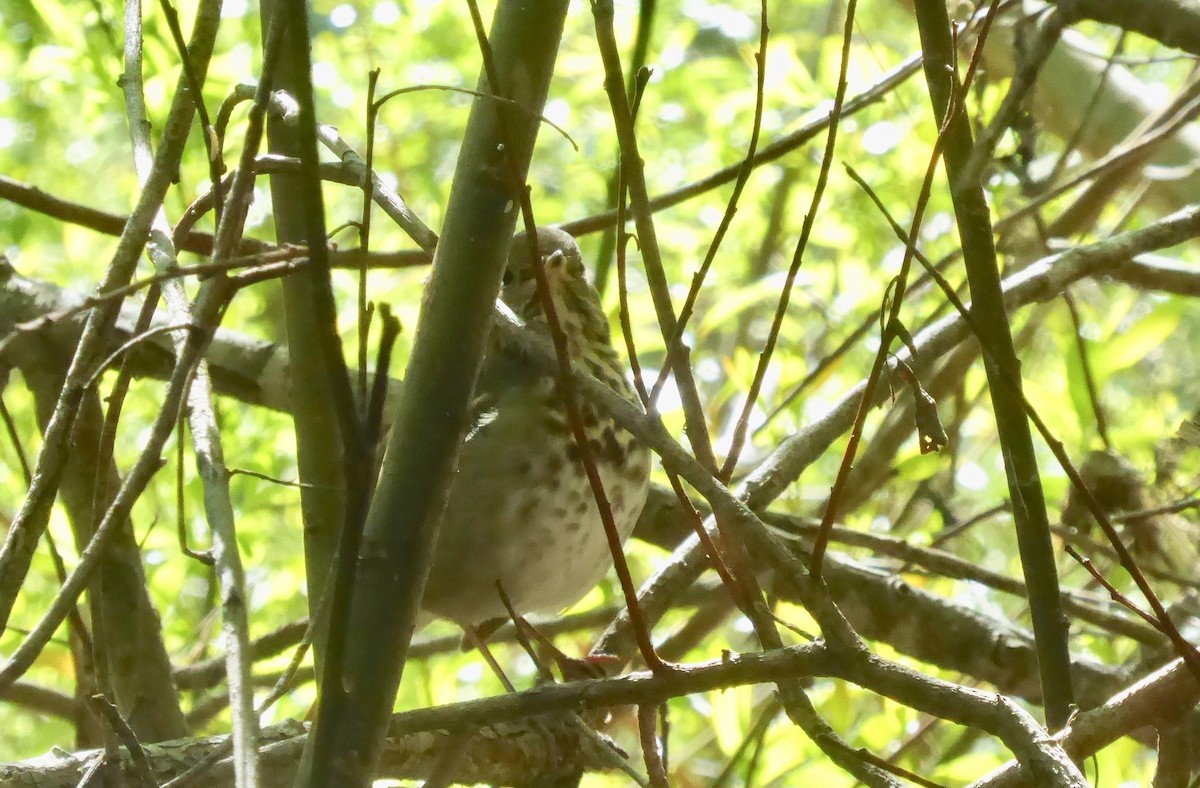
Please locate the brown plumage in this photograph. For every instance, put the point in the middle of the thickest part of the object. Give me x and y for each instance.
(521, 510)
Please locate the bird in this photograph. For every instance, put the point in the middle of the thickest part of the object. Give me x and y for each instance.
(521, 514)
(1162, 539)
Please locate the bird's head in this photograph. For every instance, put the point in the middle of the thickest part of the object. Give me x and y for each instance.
(576, 302)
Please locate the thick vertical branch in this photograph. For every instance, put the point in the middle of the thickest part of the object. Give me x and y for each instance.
(318, 439)
(401, 529)
(635, 176)
(138, 665)
(1050, 624)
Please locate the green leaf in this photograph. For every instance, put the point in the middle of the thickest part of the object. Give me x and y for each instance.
(1133, 344)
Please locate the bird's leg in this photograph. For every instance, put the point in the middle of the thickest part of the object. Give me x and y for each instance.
(472, 636)
(593, 666)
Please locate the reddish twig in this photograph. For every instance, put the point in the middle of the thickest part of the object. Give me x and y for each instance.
(563, 373)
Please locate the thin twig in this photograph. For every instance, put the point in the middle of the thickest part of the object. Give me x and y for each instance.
(1085, 364)
(768, 153)
(647, 717)
(1022, 82)
(30, 520)
(364, 239)
(868, 394)
(135, 482)
(288, 253)
(689, 302)
(1161, 617)
(635, 178)
(137, 756)
(563, 369)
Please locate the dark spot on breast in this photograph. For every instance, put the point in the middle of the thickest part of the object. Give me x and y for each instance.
(537, 552)
(613, 450)
(639, 466)
(528, 508)
(593, 447)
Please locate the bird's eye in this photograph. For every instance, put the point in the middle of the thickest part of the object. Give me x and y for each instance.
(508, 277)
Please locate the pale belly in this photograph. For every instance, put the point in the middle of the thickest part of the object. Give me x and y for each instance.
(530, 522)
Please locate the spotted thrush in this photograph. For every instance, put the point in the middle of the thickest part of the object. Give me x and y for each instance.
(521, 512)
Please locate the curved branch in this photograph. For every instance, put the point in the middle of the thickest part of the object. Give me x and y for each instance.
(1175, 23)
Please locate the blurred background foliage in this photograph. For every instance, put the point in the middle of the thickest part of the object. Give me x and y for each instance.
(63, 129)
